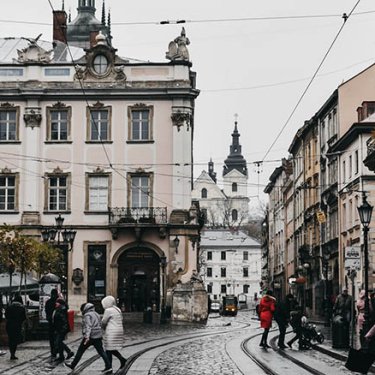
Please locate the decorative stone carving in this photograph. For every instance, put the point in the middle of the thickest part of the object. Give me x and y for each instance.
(7, 105)
(6, 170)
(180, 118)
(98, 105)
(32, 117)
(34, 53)
(177, 50)
(81, 72)
(57, 170)
(59, 105)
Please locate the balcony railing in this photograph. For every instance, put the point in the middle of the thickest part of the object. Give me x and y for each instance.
(137, 215)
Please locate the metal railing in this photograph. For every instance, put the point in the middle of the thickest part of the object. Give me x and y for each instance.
(138, 215)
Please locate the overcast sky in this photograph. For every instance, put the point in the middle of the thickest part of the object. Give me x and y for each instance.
(255, 68)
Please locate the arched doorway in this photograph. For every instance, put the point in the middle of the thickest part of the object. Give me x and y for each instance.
(139, 279)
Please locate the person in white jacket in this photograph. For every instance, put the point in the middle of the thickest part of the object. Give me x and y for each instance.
(113, 330)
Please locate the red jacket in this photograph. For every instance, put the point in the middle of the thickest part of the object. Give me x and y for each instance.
(266, 310)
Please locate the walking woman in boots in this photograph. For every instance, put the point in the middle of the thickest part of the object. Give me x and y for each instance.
(266, 310)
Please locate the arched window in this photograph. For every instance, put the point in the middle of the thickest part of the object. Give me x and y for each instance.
(204, 193)
(234, 215)
(234, 186)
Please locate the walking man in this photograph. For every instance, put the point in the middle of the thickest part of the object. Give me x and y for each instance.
(92, 335)
(282, 317)
(49, 309)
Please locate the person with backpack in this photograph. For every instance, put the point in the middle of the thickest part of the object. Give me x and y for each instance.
(61, 328)
(91, 335)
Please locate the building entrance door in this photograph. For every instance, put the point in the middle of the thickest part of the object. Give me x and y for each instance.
(139, 280)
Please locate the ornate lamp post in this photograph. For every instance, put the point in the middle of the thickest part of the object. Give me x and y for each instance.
(163, 315)
(365, 212)
(64, 241)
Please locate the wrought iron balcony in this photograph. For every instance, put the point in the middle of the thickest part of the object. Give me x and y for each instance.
(137, 215)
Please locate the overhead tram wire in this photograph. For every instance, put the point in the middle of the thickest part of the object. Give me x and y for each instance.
(345, 17)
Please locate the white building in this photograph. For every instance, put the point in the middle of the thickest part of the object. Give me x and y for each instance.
(230, 264)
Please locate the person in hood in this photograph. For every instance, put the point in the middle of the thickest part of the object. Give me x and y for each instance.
(113, 329)
(61, 328)
(92, 335)
(15, 315)
(266, 311)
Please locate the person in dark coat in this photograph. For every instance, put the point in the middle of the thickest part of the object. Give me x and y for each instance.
(61, 328)
(296, 323)
(266, 310)
(282, 318)
(49, 309)
(15, 315)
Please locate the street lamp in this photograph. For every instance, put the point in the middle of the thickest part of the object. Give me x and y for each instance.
(163, 315)
(64, 242)
(365, 212)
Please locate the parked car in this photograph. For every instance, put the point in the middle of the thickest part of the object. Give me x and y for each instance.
(215, 306)
(31, 301)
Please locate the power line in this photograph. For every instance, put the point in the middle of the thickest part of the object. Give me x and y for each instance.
(345, 17)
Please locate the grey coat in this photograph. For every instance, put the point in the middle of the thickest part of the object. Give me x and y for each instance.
(113, 330)
(91, 327)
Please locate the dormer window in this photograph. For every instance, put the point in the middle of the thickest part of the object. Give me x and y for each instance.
(100, 64)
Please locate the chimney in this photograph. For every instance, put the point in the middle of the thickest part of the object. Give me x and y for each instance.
(93, 35)
(59, 26)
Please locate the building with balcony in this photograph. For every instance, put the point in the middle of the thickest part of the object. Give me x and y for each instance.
(102, 140)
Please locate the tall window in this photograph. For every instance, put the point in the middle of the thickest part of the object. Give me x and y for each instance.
(58, 125)
(223, 272)
(57, 193)
(234, 187)
(245, 288)
(245, 255)
(356, 161)
(98, 193)
(204, 193)
(209, 288)
(209, 255)
(140, 191)
(223, 255)
(7, 193)
(8, 125)
(350, 166)
(234, 215)
(99, 125)
(343, 171)
(245, 272)
(223, 288)
(140, 125)
(209, 272)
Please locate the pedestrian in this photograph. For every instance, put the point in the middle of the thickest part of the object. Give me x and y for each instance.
(343, 306)
(91, 335)
(61, 328)
(266, 310)
(282, 318)
(296, 323)
(113, 330)
(49, 309)
(15, 315)
(361, 309)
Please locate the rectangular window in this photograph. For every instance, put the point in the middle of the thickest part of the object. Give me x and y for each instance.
(96, 283)
(245, 289)
(59, 126)
(11, 72)
(223, 272)
(245, 255)
(223, 289)
(343, 171)
(209, 272)
(98, 193)
(56, 72)
(140, 125)
(223, 255)
(245, 272)
(140, 191)
(57, 193)
(209, 255)
(99, 125)
(209, 288)
(8, 125)
(356, 162)
(7, 193)
(350, 166)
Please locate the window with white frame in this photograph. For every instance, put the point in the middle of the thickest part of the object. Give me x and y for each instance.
(98, 193)
(99, 125)
(58, 125)
(57, 193)
(7, 192)
(140, 191)
(140, 125)
(245, 255)
(8, 125)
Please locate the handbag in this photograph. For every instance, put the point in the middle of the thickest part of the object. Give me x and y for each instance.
(359, 360)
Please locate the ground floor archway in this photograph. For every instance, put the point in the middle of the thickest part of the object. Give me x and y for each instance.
(139, 280)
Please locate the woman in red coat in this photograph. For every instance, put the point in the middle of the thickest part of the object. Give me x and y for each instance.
(266, 310)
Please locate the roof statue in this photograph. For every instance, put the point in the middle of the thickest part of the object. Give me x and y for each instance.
(177, 50)
(33, 52)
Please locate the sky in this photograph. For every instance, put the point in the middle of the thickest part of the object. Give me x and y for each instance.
(252, 58)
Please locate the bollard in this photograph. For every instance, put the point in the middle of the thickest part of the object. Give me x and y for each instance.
(147, 315)
(71, 320)
(340, 333)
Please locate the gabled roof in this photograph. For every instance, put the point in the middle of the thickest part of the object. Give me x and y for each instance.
(227, 238)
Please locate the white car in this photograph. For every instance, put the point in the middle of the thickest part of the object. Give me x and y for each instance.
(215, 306)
